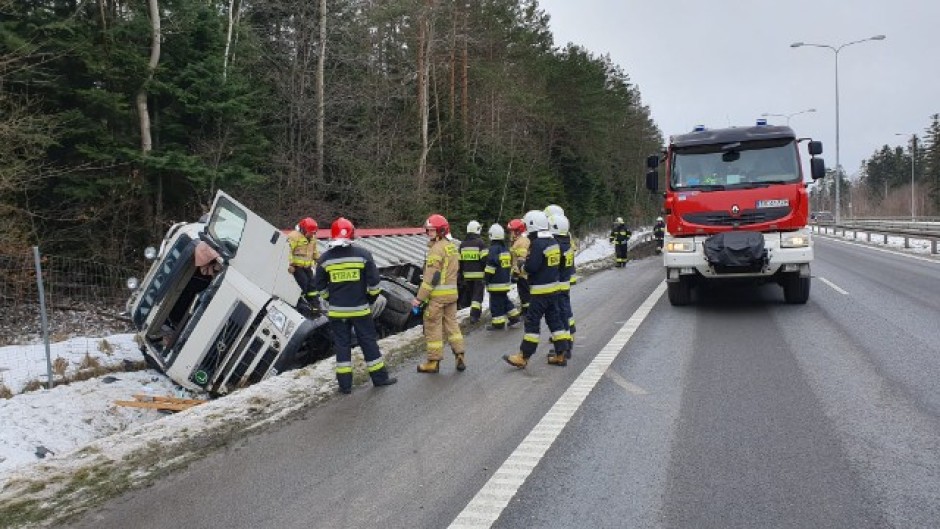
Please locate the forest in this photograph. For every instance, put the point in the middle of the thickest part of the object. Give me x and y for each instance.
(120, 117)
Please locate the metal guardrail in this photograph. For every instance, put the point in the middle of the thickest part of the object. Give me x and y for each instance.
(925, 230)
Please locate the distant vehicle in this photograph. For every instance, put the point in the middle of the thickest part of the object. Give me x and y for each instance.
(736, 209)
(218, 309)
(822, 216)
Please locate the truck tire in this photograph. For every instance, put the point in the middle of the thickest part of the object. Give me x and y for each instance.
(397, 305)
(796, 289)
(680, 292)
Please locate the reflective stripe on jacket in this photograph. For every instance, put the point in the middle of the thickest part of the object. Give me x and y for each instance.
(472, 257)
(542, 265)
(498, 268)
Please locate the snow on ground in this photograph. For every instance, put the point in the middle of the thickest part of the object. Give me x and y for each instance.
(77, 425)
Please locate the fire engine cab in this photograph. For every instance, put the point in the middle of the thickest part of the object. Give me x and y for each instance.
(736, 208)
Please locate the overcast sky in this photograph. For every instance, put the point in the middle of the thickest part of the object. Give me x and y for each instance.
(721, 62)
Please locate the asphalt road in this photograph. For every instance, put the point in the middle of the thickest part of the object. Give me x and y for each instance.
(736, 411)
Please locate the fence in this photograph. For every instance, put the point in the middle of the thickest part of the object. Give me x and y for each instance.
(84, 301)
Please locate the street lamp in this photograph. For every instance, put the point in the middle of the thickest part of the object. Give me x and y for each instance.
(788, 116)
(913, 157)
(836, 50)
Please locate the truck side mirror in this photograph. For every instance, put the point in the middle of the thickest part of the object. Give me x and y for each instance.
(817, 168)
(652, 161)
(815, 147)
(652, 180)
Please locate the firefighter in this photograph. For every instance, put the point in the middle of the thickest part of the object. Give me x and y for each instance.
(542, 267)
(552, 210)
(498, 281)
(473, 252)
(659, 232)
(303, 256)
(348, 279)
(438, 294)
(620, 235)
(558, 225)
(520, 250)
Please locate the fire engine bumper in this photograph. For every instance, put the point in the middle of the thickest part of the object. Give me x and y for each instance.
(786, 253)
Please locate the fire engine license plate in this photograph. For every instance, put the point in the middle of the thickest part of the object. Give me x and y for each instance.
(777, 203)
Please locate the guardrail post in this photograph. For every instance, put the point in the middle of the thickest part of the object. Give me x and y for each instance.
(42, 312)
(886, 239)
(854, 234)
(867, 236)
(907, 242)
(933, 246)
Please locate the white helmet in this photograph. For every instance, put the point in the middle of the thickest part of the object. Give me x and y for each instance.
(559, 225)
(497, 233)
(659, 219)
(619, 220)
(535, 220)
(474, 227)
(554, 209)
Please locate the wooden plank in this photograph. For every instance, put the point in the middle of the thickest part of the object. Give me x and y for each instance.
(154, 405)
(167, 398)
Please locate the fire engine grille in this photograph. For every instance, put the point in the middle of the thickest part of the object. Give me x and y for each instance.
(224, 341)
(744, 218)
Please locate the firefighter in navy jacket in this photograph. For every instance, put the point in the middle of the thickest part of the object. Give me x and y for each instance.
(541, 267)
(472, 261)
(346, 277)
(498, 281)
(559, 228)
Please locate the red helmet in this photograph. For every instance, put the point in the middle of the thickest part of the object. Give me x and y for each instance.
(437, 223)
(307, 226)
(516, 226)
(342, 228)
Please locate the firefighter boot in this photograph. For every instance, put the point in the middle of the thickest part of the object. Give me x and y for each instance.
(516, 360)
(558, 359)
(431, 366)
(460, 363)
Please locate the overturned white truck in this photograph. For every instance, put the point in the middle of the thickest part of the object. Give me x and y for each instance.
(217, 309)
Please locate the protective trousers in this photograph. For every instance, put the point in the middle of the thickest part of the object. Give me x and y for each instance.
(342, 344)
(440, 321)
(304, 278)
(544, 305)
(471, 295)
(502, 311)
(522, 286)
(564, 306)
(621, 250)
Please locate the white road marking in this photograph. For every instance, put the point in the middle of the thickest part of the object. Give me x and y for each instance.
(833, 285)
(877, 249)
(490, 501)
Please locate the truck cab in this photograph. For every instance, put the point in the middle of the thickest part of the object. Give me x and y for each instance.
(736, 208)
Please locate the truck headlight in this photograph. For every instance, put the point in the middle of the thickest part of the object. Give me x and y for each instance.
(132, 283)
(278, 318)
(795, 239)
(680, 246)
(150, 253)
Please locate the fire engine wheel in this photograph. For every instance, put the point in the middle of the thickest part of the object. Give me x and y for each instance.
(680, 292)
(796, 289)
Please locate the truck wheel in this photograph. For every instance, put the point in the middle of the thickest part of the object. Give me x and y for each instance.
(397, 306)
(796, 289)
(680, 292)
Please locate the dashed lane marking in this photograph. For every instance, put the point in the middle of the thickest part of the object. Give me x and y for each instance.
(490, 501)
(833, 285)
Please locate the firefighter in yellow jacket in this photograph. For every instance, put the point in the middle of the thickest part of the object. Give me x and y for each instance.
(520, 251)
(438, 294)
(304, 255)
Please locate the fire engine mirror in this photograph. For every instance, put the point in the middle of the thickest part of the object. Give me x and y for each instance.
(652, 181)
(731, 156)
(815, 147)
(652, 161)
(818, 168)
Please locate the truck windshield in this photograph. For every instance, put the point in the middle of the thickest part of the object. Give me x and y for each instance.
(744, 165)
(226, 225)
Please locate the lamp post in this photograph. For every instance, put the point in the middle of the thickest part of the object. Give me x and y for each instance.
(836, 50)
(788, 116)
(913, 157)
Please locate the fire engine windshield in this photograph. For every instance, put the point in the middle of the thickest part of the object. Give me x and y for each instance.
(738, 165)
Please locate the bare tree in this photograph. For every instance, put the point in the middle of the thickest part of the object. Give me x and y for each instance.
(321, 105)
